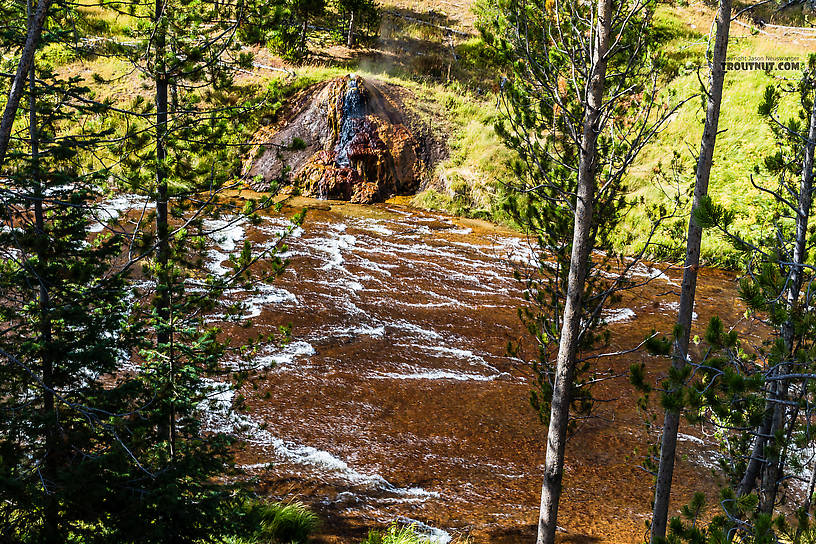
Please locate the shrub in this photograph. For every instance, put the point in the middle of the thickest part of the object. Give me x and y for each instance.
(396, 535)
(282, 523)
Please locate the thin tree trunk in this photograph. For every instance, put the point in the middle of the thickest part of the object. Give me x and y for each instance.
(162, 300)
(50, 515)
(809, 498)
(303, 48)
(756, 461)
(804, 205)
(576, 280)
(351, 30)
(688, 289)
(23, 69)
(774, 467)
(773, 464)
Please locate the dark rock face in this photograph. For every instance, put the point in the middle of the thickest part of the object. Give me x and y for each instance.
(347, 142)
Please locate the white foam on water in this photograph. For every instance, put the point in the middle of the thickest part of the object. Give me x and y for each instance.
(226, 233)
(650, 273)
(415, 329)
(618, 315)
(328, 463)
(266, 295)
(399, 211)
(217, 415)
(254, 466)
(254, 301)
(216, 410)
(353, 285)
(449, 302)
(376, 226)
(456, 353)
(287, 355)
(360, 330)
(215, 260)
(675, 307)
(517, 250)
(56, 189)
(477, 248)
(454, 275)
(333, 248)
(112, 208)
(275, 227)
(434, 535)
(690, 438)
(422, 374)
(124, 202)
(371, 266)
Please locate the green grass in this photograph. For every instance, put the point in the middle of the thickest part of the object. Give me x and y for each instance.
(278, 523)
(463, 112)
(470, 182)
(743, 141)
(396, 535)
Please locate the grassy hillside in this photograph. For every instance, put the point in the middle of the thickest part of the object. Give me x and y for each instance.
(744, 137)
(465, 181)
(431, 48)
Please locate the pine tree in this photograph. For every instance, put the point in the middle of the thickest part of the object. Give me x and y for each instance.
(28, 47)
(761, 401)
(665, 470)
(570, 115)
(63, 309)
(288, 36)
(355, 12)
(183, 152)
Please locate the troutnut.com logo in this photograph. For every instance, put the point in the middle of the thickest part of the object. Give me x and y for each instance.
(765, 64)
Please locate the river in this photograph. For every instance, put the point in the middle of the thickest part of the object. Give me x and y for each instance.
(396, 399)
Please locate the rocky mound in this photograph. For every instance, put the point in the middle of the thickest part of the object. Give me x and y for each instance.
(348, 140)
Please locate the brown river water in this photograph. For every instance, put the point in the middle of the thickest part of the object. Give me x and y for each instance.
(396, 399)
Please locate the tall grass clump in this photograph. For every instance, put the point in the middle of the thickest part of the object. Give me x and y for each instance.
(396, 535)
(279, 523)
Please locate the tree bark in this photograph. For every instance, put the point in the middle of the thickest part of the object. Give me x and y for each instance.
(162, 300)
(350, 42)
(755, 463)
(688, 288)
(51, 533)
(775, 464)
(23, 69)
(576, 281)
(809, 498)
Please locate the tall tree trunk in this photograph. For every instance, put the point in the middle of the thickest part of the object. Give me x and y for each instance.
(756, 461)
(51, 533)
(688, 289)
(163, 279)
(303, 48)
(35, 26)
(773, 462)
(350, 42)
(576, 282)
(804, 206)
(808, 498)
(774, 466)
